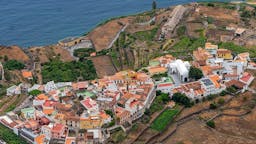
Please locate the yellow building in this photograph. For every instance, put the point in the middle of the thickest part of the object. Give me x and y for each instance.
(224, 53)
(91, 122)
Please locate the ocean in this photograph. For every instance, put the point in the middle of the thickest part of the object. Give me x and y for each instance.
(42, 22)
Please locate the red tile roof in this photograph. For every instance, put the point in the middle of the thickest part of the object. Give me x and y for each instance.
(58, 128)
(246, 77)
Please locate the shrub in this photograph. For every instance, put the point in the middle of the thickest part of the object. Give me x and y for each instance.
(181, 99)
(181, 30)
(221, 101)
(211, 124)
(83, 52)
(231, 89)
(34, 92)
(14, 65)
(210, 4)
(223, 93)
(213, 105)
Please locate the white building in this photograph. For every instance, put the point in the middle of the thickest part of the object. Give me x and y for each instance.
(181, 69)
(209, 87)
(13, 90)
(50, 86)
(165, 87)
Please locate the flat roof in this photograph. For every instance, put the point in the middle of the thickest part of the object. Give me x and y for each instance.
(207, 82)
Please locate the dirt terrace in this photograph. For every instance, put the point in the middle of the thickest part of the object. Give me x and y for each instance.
(103, 35)
(14, 52)
(219, 13)
(103, 66)
(44, 54)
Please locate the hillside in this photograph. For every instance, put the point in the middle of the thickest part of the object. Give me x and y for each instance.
(13, 52)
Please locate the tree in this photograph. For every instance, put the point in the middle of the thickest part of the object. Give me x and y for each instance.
(14, 65)
(211, 124)
(182, 99)
(165, 97)
(34, 92)
(195, 73)
(109, 112)
(231, 89)
(154, 5)
(6, 58)
(213, 105)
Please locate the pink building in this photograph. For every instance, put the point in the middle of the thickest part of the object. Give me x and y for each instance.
(59, 131)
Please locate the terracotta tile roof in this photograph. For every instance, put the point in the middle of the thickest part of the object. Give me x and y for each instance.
(27, 74)
(80, 85)
(40, 139)
(57, 128)
(223, 51)
(235, 83)
(42, 97)
(70, 140)
(207, 70)
(201, 55)
(49, 103)
(215, 79)
(121, 112)
(246, 77)
(88, 103)
(165, 85)
(48, 111)
(103, 115)
(154, 70)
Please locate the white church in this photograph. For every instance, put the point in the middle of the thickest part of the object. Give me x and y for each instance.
(180, 68)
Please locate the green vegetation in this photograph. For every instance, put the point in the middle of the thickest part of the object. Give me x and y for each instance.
(109, 112)
(195, 73)
(59, 71)
(213, 105)
(83, 52)
(210, 20)
(8, 136)
(231, 89)
(221, 101)
(181, 99)
(118, 136)
(211, 124)
(164, 119)
(154, 5)
(2, 90)
(223, 93)
(159, 102)
(13, 65)
(34, 92)
(238, 49)
(14, 104)
(181, 30)
(187, 45)
(159, 76)
(146, 35)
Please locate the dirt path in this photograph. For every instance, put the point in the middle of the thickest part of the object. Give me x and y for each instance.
(5, 106)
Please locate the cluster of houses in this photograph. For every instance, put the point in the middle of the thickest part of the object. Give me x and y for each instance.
(76, 111)
(220, 67)
(82, 111)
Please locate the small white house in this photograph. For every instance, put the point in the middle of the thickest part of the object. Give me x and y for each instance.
(13, 90)
(50, 86)
(165, 87)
